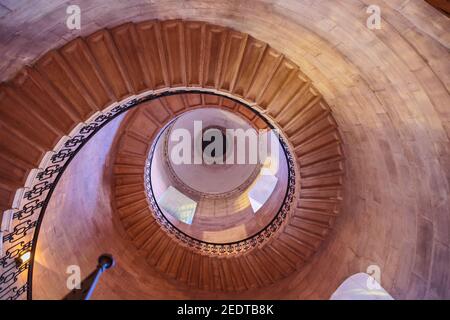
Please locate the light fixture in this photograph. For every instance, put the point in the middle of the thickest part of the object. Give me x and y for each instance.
(23, 258)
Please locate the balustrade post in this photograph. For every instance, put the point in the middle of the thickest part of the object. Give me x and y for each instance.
(105, 261)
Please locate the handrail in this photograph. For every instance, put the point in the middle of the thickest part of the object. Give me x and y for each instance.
(234, 247)
(87, 286)
(27, 219)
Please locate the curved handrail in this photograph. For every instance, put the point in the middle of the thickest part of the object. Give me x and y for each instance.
(194, 192)
(30, 215)
(234, 247)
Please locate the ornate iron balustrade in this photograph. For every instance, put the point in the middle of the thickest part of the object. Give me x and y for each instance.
(230, 248)
(16, 280)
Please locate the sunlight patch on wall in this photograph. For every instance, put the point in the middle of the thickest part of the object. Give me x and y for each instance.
(261, 191)
(178, 205)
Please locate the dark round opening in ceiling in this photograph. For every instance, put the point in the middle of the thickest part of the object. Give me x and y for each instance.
(216, 138)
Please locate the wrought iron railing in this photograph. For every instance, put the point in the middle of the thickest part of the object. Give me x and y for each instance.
(16, 279)
(87, 286)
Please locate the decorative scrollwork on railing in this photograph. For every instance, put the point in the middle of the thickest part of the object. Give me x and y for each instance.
(232, 248)
(16, 280)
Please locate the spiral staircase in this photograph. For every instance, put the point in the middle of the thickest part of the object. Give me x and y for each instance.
(315, 204)
(85, 75)
(141, 75)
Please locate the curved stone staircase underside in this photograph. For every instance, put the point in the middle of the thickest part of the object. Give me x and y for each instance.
(88, 74)
(314, 208)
